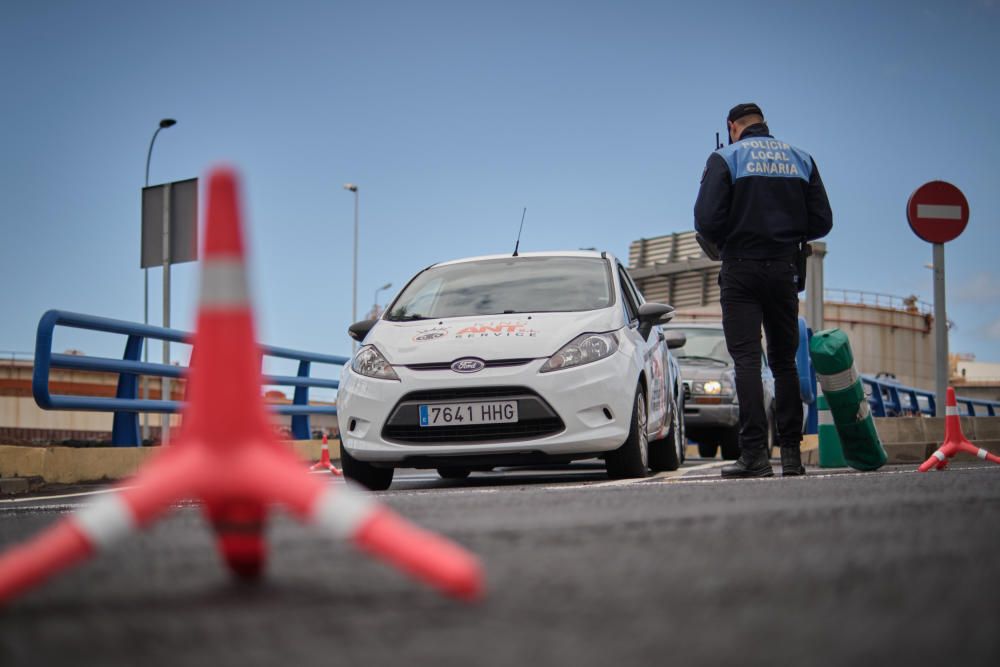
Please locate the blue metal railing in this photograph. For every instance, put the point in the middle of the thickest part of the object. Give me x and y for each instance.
(890, 399)
(127, 405)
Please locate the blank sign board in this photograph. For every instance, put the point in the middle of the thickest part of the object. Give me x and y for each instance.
(183, 223)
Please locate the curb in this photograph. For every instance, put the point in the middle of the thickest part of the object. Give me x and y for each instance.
(37, 466)
(16, 486)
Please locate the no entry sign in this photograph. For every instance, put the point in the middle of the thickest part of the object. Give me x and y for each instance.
(937, 212)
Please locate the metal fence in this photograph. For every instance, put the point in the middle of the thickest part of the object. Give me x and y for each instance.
(878, 300)
(126, 405)
(891, 399)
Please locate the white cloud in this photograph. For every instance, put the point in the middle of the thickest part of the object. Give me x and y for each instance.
(992, 330)
(983, 287)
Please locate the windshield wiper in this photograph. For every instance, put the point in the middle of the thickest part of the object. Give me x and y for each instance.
(407, 318)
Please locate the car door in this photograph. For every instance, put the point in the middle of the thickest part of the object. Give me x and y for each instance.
(654, 351)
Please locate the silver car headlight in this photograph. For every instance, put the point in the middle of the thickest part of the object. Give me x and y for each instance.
(584, 349)
(722, 387)
(370, 363)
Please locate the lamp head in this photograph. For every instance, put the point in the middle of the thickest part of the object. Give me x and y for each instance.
(167, 122)
(350, 186)
(386, 286)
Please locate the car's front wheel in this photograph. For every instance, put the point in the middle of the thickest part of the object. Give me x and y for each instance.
(632, 458)
(365, 474)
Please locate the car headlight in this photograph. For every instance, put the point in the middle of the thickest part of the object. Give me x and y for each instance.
(370, 363)
(713, 388)
(583, 349)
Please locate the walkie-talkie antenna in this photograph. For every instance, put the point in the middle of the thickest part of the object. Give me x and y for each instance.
(718, 144)
(518, 244)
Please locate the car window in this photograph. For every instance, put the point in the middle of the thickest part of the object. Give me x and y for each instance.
(629, 299)
(640, 299)
(703, 344)
(506, 285)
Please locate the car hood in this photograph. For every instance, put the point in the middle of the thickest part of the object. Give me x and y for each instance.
(702, 370)
(487, 337)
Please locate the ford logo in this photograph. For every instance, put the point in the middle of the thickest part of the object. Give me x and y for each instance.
(468, 365)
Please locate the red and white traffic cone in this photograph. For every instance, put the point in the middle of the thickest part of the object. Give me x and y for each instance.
(228, 456)
(954, 440)
(324, 460)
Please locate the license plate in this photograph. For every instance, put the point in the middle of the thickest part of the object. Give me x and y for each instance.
(458, 414)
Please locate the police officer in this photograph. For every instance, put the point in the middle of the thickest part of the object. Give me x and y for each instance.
(760, 199)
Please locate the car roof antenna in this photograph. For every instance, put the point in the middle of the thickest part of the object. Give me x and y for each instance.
(518, 244)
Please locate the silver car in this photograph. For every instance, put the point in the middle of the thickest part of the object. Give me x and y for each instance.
(711, 409)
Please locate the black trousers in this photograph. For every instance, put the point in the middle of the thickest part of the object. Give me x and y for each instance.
(759, 293)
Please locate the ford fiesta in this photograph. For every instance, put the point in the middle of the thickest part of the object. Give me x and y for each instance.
(512, 360)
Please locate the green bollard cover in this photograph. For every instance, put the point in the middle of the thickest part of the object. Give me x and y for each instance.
(862, 448)
(831, 454)
(830, 351)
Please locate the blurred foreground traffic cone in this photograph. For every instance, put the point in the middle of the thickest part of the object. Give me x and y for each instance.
(954, 440)
(227, 456)
(324, 460)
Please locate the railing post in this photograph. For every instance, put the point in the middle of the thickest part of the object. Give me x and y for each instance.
(897, 405)
(300, 423)
(876, 388)
(125, 428)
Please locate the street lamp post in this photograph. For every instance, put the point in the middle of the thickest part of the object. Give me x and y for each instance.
(164, 124)
(380, 289)
(354, 289)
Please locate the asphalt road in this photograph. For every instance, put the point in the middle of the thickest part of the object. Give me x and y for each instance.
(893, 567)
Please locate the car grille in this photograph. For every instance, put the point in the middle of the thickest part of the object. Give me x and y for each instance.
(446, 365)
(687, 390)
(536, 419)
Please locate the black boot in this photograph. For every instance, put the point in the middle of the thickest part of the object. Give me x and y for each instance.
(791, 462)
(752, 463)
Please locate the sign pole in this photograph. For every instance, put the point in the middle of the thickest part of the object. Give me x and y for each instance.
(938, 212)
(165, 381)
(941, 366)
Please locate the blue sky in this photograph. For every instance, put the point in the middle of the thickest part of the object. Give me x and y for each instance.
(596, 116)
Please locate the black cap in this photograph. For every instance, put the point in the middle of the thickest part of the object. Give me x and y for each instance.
(741, 110)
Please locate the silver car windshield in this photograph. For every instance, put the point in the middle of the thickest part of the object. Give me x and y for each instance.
(705, 344)
(506, 285)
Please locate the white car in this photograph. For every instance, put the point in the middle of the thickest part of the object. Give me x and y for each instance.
(512, 360)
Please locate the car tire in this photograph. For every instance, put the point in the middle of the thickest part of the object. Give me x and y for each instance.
(365, 474)
(729, 441)
(668, 454)
(631, 460)
(453, 473)
(708, 449)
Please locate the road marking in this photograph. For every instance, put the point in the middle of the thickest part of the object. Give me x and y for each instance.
(32, 499)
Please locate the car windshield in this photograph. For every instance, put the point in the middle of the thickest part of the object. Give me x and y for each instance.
(704, 344)
(506, 285)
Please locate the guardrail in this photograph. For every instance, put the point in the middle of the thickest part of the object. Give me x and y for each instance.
(878, 300)
(891, 399)
(127, 405)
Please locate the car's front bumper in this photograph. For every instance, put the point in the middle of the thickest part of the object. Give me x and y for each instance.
(582, 397)
(707, 415)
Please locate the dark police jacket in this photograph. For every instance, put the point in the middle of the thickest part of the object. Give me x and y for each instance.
(760, 197)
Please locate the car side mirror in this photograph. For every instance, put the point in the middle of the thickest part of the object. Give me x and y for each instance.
(359, 330)
(651, 314)
(675, 339)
